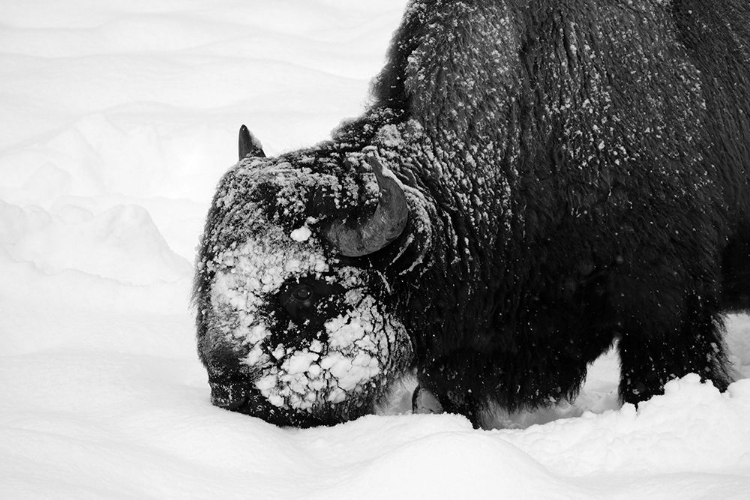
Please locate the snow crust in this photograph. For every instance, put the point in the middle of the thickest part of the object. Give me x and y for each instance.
(301, 234)
(297, 376)
(119, 118)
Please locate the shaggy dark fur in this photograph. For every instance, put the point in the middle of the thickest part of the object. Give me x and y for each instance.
(584, 168)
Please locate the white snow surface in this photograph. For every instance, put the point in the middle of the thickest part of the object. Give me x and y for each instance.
(118, 119)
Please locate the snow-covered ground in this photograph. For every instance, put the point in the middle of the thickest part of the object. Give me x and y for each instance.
(118, 117)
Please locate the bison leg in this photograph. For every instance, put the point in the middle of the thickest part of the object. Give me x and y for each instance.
(736, 273)
(423, 401)
(654, 350)
(457, 382)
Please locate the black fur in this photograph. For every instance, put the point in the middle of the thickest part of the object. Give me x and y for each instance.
(584, 168)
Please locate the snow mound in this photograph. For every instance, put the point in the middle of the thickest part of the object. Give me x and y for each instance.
(691, 427)
(121, 244)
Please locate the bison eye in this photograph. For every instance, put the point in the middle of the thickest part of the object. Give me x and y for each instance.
(302, 293)
(309, 299)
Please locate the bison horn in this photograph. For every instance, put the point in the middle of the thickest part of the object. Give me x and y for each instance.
(384, 226)
(249, 144)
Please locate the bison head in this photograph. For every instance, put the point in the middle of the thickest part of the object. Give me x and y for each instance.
(295, 324)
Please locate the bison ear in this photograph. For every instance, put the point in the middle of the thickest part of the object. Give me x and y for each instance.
(249, 144)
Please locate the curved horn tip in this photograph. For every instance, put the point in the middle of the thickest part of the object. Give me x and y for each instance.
(249, 145)
(377, 168)
(383, 227)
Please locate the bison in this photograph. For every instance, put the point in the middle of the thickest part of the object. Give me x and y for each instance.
(533, 182)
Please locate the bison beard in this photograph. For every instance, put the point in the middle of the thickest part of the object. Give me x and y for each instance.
(534, 182)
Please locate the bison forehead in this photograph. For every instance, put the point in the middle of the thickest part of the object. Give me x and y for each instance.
(291, 190)
(345, 359)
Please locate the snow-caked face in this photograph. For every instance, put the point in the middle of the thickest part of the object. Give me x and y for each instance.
(309, 337)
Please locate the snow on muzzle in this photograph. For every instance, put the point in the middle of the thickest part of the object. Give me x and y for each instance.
(314, 345)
